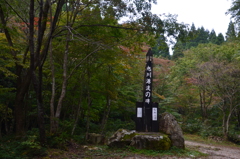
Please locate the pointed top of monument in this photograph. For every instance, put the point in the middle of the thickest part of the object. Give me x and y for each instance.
(149, 53)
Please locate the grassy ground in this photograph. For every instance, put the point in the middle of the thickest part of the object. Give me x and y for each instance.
(76, 151)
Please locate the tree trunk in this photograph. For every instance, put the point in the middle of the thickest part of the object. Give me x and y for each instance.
(41, 124)
(88, 115)
(77, 116)
(106, 114)
(19, 111)
(37, 83)
(201, 104)
(225, 133)
(52, 111)
(6, 120)
(41, 121)
(22, 87)
(55, 125)
(52, 100)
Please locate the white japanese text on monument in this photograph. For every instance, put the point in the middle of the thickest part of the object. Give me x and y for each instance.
(148, 83)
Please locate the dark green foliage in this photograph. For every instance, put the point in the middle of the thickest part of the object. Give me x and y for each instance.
(25, 148)
(161, 48)
(213, 37)
(208, 130)
(194, 38)
(231, 32)
(58, 141)
(178, 50)
(103, 73)
(192, 126)
(234, 10)
(115, 124)
(202, 36)
(10, 149)
(234, 137)
(220, 39)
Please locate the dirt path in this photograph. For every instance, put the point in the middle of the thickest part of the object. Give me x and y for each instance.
(216, 152)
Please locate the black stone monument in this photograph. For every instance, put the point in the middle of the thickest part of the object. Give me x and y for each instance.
(147, 111)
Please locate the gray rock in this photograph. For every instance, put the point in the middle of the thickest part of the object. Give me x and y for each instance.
(95, 138)
(151, 142)
(121, 138)
(169, 125)
(140, 140)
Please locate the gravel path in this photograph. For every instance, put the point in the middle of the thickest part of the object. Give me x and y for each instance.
(216, 152)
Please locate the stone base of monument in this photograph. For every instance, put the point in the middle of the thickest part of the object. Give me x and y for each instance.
(170, 135)
(140, 140)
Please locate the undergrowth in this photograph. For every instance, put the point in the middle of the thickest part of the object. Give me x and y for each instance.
(131, 151)
(11, 148)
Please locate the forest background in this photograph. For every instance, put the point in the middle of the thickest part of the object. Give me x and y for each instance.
(69, 68)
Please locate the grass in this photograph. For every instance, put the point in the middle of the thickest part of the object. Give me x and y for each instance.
(190, 152)
(106, 152)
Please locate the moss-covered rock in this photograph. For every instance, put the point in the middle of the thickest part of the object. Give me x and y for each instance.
(151, 141)
(140, 140)
(169, 125)
(121, 138)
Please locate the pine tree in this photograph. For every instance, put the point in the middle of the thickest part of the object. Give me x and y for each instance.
(231, 33)
(213, 37)
(161, 48)
(178, 50)
(202, 35)
(193, 28)
(220, 39)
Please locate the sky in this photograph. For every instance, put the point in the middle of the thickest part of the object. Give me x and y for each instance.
(207, 13)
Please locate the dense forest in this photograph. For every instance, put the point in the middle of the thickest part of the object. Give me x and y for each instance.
(70, 67)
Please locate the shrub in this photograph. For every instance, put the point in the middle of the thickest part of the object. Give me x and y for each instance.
(192, 126)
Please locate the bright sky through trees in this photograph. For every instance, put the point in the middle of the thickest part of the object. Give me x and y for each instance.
(207, 13)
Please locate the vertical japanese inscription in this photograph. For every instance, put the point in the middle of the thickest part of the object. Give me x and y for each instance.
(148, 79)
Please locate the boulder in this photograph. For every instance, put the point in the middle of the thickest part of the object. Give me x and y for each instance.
(121, 138)
(95, 138)
(151, 141)
(139, 140)
(169, 125)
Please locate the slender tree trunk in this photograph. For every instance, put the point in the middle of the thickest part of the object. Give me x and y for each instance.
(106, 114)
(88, 115)
(64, 86)
(88, 100)
(1, 128)
(224, 117)
(224, 124)
(52, 111)
(201, 104)
(77, 115)
(229, 117)
(6, 119)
